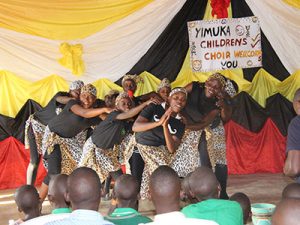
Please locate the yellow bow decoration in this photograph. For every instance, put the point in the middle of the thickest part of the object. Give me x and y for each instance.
(72, 58)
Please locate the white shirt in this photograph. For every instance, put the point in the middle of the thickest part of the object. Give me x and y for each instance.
(178, 218)
(41, 220)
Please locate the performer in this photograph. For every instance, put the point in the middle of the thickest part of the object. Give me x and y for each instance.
(66, 134)
(209, 105)
(37, 122)
(158, 134)
(104, 149)
(129, 84)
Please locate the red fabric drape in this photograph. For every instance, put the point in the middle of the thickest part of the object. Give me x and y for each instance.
(14, 160)
(249, 152)
(219, 8)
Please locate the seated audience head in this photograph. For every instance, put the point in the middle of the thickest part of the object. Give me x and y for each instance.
(126, 191)
(164, 89)
(124, 102)
(185, 194)
(88, 95)
(57, 191)
(84, 189)
(296, 102)
(287, 212)
(204, 184)
(244, 202)
(28, 201)
(75, 88)
(165, 189)
(110, 98)
(291, 191)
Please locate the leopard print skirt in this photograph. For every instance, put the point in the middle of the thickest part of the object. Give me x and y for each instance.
(216, 145)
(187, 157)
(153, 157)
(71, 148)
(103, 161)
(38, 131)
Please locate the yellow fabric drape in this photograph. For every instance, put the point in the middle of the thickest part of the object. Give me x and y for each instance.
(64, 20)
(294, 3)
(263, 86)
(43, 90)
(150, 84)
(104, 86)
(14, 91)
(72, 58)
(289, 86)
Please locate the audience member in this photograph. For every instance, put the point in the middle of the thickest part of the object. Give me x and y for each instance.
(84, 194)
(206, 189)
(292, 162)
(56, 194)
(291, 191)
(126, 191)
(245, 203)
(165, 193)
(287, 212)
(185, 193)
(28, 202)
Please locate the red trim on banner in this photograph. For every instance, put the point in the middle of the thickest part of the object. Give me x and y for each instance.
(14, 160)
(249, 152)
(219, 8)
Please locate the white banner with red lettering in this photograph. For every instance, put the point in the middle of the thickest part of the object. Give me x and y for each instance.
(225, 44)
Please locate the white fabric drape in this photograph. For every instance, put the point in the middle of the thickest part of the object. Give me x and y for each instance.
(109, 53)
(281, 25)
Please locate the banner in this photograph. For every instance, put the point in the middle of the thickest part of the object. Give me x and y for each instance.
(225, 44)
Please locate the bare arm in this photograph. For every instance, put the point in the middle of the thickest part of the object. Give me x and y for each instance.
(150, 95)
(89, 113)
(136, 110)
(172, 142)
(292, 164)
(208, 119)
(63, 99)
(189, 87)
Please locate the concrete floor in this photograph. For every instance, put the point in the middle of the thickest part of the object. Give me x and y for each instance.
(261, 188)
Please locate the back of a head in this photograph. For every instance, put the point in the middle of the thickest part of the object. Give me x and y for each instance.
(297, 94)
(126, 188)
(204, 184)
(165, 186)
(57, 187)
(291, 191)
(287, 212)
(244, 202)
(27, 198)
(84, 189)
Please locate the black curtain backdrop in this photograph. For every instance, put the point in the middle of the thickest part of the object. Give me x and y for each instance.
(167, 54)
(270, 60)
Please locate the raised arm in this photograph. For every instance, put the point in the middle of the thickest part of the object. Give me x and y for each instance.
(136, 110)
(89, 113)
(63, 99)
(172, 142)
(208, 119)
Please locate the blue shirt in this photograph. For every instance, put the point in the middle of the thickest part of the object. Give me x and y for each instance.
(82, 217)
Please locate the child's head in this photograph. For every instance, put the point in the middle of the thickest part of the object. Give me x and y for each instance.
(287, 212)
(177, 99)
(186, 191)
(126, 191)
(296, 102)
(27, 199)
(291, 191)
(123, 102)
(110, 98)
(57, 190)
(75, 88)
(88, 95)
(244, 202)
(164, 89)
